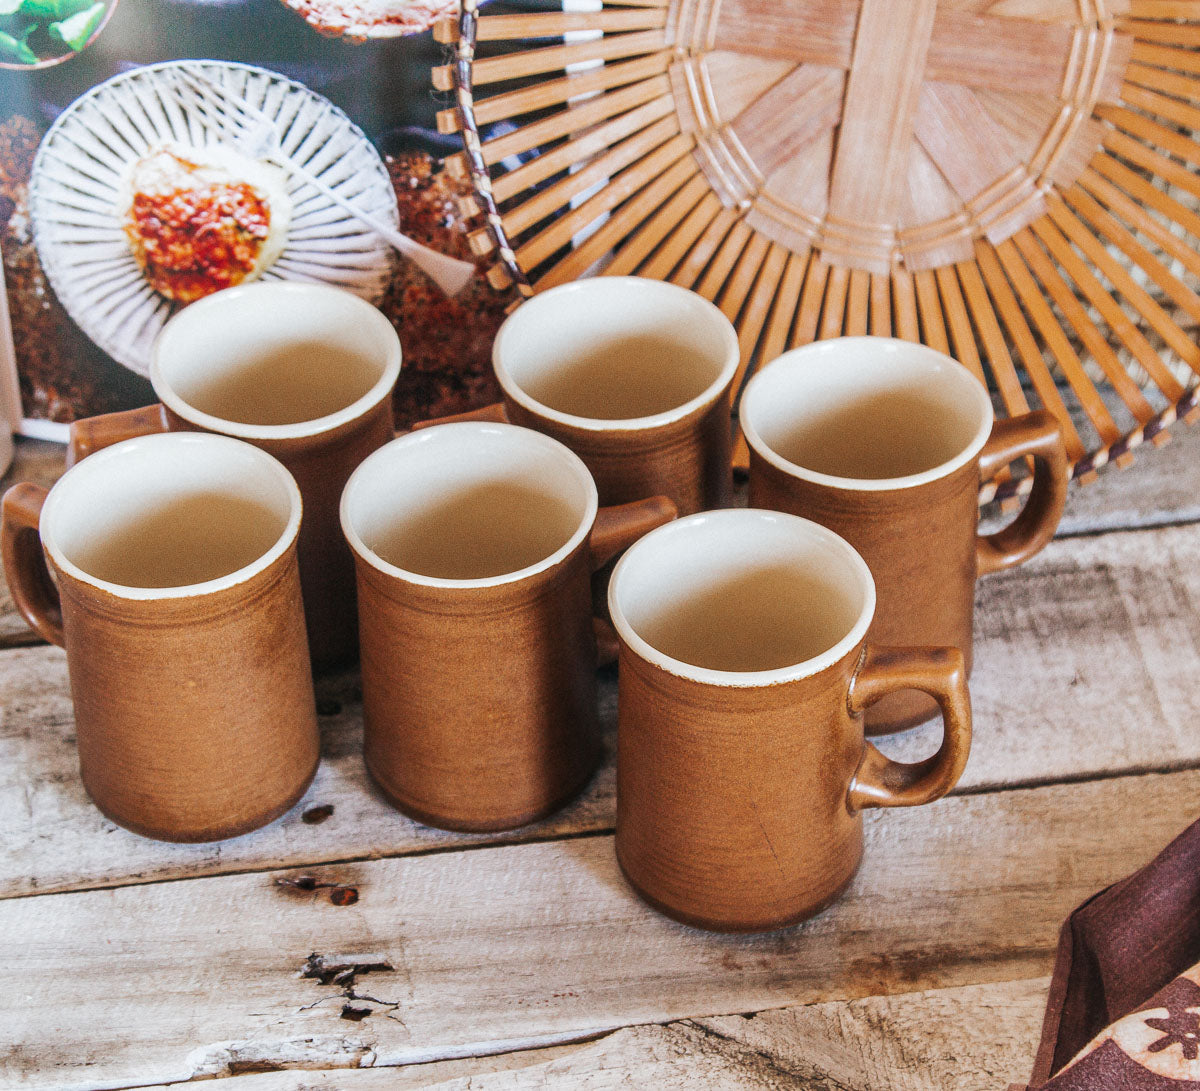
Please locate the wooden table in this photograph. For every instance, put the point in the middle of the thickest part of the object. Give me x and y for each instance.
(522, 960)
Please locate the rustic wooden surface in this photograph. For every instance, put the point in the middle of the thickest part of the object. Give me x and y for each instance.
(523, 961)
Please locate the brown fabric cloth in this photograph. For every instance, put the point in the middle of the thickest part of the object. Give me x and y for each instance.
(1123, 952)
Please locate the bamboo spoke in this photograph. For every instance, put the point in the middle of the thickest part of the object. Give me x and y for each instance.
(618, 225)
(699, 256)
(858, 300)
(933, 328)
(620, 156)
(1010, 313)
(680, 241)
(904, 302)
(1035, 305)
(660, 226)
(619, 189)
(999, 180)
(834, 310)
(881, 305)
(958, 321)
(758, 305)
(717, 272)
(555, 92)
(1118, 235)
(783, 311)
(809, 315)
(1116, 318)
(1093, 340)
(513, 66)
(1137, 217)
(652, 95)
(1138, 298)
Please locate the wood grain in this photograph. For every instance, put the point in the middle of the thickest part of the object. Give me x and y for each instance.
(467, 953)
(1125, 654)
(960, 1039)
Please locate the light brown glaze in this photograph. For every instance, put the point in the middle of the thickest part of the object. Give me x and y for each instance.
(479, 703)
(194, 716)
(689, 461)
(739, 807)
(321, 464)
(922, 546)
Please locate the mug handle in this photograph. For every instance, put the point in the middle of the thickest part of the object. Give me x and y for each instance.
(93, 433)
(1037, 435)
(616, 528)
(941, 672)
(29, 580)
(493, 413)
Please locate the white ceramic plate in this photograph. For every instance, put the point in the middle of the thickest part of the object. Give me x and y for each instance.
(73, 195)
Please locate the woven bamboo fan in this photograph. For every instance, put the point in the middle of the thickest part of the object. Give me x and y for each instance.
(1006, 180)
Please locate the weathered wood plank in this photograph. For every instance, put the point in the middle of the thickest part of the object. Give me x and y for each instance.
(470, 952)
(52, 838)
(964, 1039)
(1086, 661)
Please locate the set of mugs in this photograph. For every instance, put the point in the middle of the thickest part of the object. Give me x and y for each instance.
(201, 556)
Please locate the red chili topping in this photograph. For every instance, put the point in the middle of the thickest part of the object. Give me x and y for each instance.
(193, 242)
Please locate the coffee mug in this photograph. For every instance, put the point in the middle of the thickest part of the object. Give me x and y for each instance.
(886, 442)
(634, 376)
(475, 544)
(176, 594)
(742, 768)
(303, 371)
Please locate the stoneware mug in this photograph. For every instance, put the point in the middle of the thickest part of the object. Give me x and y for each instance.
(634, 376)
(887, 442)
(742, 769)
(176, 594)
(475, 544)
(302, 371)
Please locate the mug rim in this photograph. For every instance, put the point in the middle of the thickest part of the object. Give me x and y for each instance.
(379, 390)
(620, 424)
(431, 435)
(804, 356)
(743, 679)
(129, 448)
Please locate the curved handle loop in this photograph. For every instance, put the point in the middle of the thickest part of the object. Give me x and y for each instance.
(940, 672)
(89, 435)
(493, 413)
(619, 526)
(25, 564)
(1037, 435)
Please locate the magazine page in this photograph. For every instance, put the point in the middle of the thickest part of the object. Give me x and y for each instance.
(130, 90)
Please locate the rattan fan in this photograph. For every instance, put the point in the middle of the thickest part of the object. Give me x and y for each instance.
(1005, 180)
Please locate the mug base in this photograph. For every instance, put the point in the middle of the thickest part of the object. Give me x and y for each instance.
(711, 924)
(215, 833)
(485, 825)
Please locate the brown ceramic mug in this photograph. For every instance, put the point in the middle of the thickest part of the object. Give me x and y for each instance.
(742, 768)
(302, 371)
(634, 376)
(475, 545)
(176, 594)
(887, 442)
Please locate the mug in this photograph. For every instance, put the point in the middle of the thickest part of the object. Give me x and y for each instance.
(303, 371)
(742, 768)
(475, 544)
(634, 376)
(176, 594)
(886, 442)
